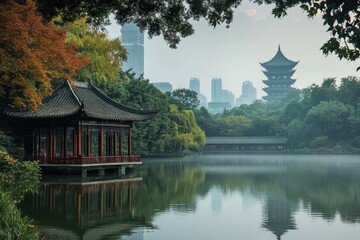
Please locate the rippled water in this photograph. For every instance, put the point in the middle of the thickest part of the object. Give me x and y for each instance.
(207, 197)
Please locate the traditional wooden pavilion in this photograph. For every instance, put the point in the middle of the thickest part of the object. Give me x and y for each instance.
(78, 125)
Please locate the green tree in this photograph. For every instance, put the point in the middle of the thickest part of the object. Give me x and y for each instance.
(342, 19)
(8, 144)
(173, 19)
(16, 178)
(206, 122)
(331, 118)
(173, 131)
(316, 94)
(297, 133)
(234, 126)
(293, 110)
(188, 136)
(265, 125)
(106, 55)
(184, 98)
(349, 90)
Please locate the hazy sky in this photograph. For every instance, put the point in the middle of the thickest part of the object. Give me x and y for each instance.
(234, 54)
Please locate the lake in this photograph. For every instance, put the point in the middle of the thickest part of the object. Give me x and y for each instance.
(206, 197)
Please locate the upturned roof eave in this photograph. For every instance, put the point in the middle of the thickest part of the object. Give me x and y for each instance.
(290, 64)
(279, 60)
(145, 118)
(100, 94)
(54, 106)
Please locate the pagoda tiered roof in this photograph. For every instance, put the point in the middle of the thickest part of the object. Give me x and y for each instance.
(82, 99)
(279, 60)
(279, 73)
(277, 90)
(287, 81)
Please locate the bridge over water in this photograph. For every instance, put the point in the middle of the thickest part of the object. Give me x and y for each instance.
(245, 144)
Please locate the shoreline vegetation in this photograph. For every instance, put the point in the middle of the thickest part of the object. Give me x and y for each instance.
(317, 119)
(16, 179)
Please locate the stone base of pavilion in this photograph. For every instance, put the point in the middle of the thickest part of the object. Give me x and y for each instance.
(84, 165)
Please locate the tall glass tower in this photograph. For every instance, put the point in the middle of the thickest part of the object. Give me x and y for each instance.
(195, 85)
(216, 90)
(133, 41)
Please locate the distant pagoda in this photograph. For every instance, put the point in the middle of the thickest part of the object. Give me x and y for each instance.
(279, 71)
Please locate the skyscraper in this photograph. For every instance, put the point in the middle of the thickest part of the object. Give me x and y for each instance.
(279, 71)
(228, 97)
(163, 86)
(216, 90)
(133, 41)
(248, 95)
(194, 85)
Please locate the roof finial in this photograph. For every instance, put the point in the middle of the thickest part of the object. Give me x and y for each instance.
(90, 80)
(279, 47)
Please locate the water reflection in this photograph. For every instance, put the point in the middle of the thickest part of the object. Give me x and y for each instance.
(216, 198)
(278, 214)
(84, 210)
(284, 196)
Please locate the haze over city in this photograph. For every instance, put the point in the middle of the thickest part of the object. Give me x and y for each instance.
(234, 54)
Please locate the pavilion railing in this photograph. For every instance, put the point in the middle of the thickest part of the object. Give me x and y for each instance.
(84, 159)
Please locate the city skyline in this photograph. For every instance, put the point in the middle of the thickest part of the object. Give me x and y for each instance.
(235, 54)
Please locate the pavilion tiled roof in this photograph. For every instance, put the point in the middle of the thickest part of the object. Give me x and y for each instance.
(279, 60)
(84, 98)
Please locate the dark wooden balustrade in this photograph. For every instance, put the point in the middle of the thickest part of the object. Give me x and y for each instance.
(83, 159)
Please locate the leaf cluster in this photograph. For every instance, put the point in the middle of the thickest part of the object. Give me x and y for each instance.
(106, 55)
(174, 131)
(342, 19)
(170, 18)
(32, 54)
(183, 98)
(17, 177)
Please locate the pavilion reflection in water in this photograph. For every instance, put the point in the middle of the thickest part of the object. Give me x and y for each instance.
(86, 210)
(278, 214)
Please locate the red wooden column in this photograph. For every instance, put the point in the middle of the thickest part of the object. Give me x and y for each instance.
(65, 145)
(120, 143)
(114, 145)
(88, 140)
(51, 144)
(101, 140)
(129, 142)
(78, 142)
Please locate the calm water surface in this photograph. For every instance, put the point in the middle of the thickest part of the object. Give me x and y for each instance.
(207, 197)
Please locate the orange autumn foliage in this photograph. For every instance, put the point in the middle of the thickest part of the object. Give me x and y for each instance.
(32, 53)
